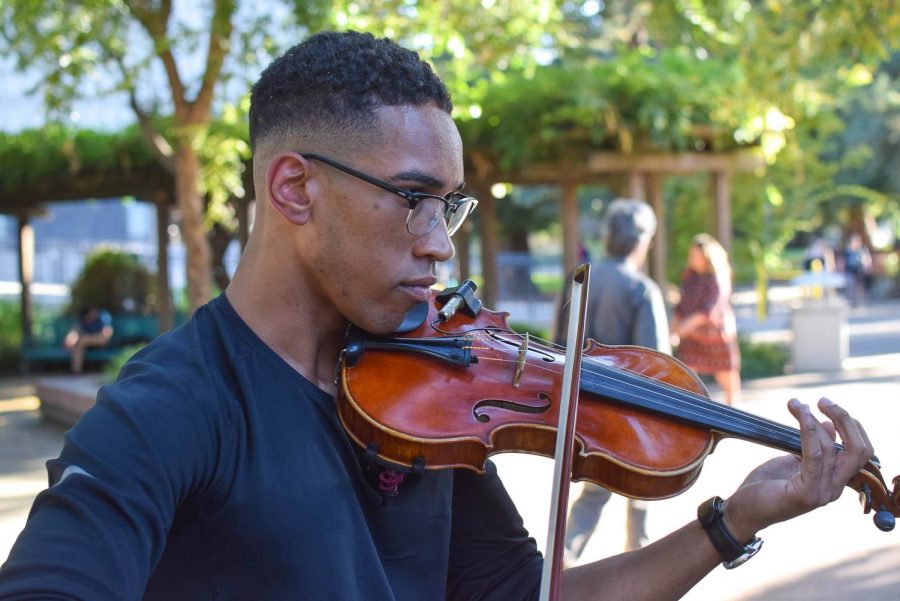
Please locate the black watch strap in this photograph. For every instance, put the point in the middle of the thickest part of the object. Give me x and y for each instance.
(733, 553)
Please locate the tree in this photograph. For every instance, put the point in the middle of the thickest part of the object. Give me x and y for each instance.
(127, 46)
(799, 61)
(471, 43)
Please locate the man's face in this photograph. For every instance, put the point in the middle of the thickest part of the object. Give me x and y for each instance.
(368, 265)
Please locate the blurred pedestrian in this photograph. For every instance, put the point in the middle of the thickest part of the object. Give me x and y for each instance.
(857, 266)
(704, 326)
(819, 256)
(94, 329)
(625, 307)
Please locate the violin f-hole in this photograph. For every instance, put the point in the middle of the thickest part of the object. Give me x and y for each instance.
(510, 406)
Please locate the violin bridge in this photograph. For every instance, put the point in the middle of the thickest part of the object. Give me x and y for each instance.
(520, 361)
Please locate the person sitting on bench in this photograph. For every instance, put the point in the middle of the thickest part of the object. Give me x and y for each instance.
(94, 329)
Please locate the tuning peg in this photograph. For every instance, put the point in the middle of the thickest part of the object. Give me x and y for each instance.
(884, 520)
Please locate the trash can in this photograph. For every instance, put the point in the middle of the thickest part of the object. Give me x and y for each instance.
(821, 338)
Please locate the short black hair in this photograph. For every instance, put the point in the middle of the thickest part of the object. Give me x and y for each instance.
(336, 81)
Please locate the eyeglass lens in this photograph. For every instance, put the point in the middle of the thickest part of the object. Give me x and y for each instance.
(430, 210)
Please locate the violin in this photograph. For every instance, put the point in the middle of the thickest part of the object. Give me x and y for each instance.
(456, 384)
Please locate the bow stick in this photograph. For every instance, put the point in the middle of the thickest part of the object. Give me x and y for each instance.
(565, 436)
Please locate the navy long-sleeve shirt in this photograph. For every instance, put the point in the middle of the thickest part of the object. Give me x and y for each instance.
(211, 470)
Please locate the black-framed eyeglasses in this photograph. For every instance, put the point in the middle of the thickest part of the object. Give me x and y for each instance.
(425, 210)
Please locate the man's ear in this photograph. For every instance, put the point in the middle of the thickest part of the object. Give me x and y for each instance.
(287, 180)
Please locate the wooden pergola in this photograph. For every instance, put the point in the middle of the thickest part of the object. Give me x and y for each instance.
(156, 190)
(645, 174)
(150, 184)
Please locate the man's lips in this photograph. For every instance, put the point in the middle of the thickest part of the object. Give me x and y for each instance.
(420, 288)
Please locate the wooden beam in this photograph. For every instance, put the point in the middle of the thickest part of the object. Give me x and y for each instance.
(599, 165)
(143, 184)
(682, 162)
(570, 234)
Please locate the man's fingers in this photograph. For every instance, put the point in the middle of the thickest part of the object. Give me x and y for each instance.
(854, 438)
(855, 442)
(813, 464)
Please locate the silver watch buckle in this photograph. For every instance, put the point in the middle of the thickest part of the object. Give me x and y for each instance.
(750, 549)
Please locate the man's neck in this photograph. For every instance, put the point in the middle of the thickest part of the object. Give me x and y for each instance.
(286, 318)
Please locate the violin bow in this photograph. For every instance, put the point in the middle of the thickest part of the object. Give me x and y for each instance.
(565, 436)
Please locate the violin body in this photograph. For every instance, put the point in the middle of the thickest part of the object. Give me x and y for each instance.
(452, 393)
(440, 415)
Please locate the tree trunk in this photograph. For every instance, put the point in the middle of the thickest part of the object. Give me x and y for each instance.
(193, 232)
(219, 239)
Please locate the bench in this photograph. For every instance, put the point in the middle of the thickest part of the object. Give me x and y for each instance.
(47, 341)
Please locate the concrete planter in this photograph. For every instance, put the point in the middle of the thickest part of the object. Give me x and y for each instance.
(821, 337)
(64, 399)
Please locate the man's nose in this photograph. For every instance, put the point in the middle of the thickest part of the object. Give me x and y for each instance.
(436, 244)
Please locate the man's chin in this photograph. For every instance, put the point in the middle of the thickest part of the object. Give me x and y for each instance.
(382, 325)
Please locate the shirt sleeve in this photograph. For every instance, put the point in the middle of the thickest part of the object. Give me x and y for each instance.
(651, 325)
(100, 528)
(491, 554)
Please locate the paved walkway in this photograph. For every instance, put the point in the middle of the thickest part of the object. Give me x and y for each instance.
(834, 554)
(26, 443)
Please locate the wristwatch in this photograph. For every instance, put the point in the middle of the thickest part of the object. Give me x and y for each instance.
(733, 553)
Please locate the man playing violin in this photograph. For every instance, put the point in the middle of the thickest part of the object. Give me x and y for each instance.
(216, 467)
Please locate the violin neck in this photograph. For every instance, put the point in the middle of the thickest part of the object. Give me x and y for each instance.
(659, 397)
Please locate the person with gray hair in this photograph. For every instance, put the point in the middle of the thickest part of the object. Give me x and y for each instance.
(625, 307)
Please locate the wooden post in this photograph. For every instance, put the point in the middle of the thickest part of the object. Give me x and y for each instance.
(463, 256)
(659, 253)
(722, 193)
(570, 234)
(26, 275)
(165, 310)
(637, 185)
(243, 217)
(487, 212)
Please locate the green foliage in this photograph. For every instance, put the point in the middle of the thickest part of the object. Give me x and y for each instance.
(10, 337)
(762, 360)
(114, 281)
(42, 160)
(534, 331)
(635, 101)
(10, 323)
(548, 284)
(112, 368)
(98, 47)
(473, 44)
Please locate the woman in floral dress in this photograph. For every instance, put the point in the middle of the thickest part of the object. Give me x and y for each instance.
(704, 327)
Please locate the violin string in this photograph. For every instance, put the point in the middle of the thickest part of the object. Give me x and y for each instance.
(657, 387)
(686, 407)
(691, 400)
(697, 405)
(661, 395)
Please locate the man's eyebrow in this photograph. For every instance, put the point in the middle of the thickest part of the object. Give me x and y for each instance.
(419, 176)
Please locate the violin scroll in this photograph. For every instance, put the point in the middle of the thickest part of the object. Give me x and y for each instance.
(875, 495)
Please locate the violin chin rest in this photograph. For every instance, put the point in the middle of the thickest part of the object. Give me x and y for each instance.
(413, 318)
